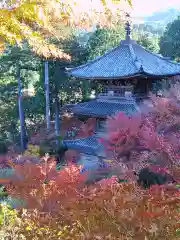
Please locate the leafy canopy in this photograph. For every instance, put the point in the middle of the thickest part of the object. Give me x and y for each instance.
(37, 21)
(106, 38)
(170, 41)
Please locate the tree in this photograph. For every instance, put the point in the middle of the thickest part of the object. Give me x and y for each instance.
(8, 108)
(32, 75)
(16, 61)
(104, 39)
(154, 28)
(170, 41)
(35, 22)
(149, 41)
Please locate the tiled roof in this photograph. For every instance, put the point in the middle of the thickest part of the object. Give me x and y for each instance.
(97, 108)
(126, 60)
(100, 108)
(89, 145)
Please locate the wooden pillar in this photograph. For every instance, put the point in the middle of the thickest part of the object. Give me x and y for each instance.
(57, 120)
(85, 88)
(46, 71)
(21, 114)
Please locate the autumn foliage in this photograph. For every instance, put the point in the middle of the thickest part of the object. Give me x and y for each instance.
(38, 21)
(59, 205)
(151, 139)
(107, 209)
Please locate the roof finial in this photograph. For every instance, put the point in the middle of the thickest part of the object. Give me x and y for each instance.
(128, 31)
(128, 27)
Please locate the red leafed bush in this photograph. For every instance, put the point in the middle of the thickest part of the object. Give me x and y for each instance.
(42, 186)
(105, 210)
(108, 209)
(147, 139)
(124, 211)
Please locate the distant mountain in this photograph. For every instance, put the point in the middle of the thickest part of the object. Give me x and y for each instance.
(163, 17)
(157, 22)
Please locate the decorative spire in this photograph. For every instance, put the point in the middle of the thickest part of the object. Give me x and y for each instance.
(128, 27)
(128, 31)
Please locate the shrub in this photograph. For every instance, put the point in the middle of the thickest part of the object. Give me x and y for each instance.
(60, 206)
(105, 210)
(41, 186)
(150, 139)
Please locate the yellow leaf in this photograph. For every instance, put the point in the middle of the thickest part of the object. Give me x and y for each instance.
(28, 228)
(37, 21)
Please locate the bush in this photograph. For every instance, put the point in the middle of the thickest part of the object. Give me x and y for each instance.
(150, 140)
(58, 204)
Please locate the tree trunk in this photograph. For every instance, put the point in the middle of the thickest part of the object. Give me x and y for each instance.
(21, 114)
(25, 132)
(57, 117)
(47, 94)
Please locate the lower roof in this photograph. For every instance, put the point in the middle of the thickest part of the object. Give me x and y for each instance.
(89, 145)
(103, 108)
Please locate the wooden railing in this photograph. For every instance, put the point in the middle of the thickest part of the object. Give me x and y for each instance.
(116, 91)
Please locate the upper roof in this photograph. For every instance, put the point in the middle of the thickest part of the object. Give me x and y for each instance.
(129, 59)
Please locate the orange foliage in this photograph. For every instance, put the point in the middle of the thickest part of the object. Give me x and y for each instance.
(105, 210)
(83, 130)
(42, 186)
(36, 21)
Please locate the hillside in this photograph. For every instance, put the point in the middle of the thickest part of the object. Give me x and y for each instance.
(157, 22)
(163, 17)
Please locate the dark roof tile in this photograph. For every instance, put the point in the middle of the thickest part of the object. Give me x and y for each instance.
(89, 145)
(126, 60)
(100, 108)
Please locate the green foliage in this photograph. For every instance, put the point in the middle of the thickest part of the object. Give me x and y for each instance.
(8, 108)
(46, 147)
(13, 59)
(150, 28)
(170, 41)
(150, 42)
(62, 88)
(104, 39)
(32, 76)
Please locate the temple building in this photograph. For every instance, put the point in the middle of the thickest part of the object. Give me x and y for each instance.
(127, 74)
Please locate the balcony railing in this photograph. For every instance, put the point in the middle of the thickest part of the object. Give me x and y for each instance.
(116, 92)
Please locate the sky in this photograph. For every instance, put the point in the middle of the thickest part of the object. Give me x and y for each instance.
(147, 7)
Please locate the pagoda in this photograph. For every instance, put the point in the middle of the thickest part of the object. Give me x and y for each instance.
(127, 74)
